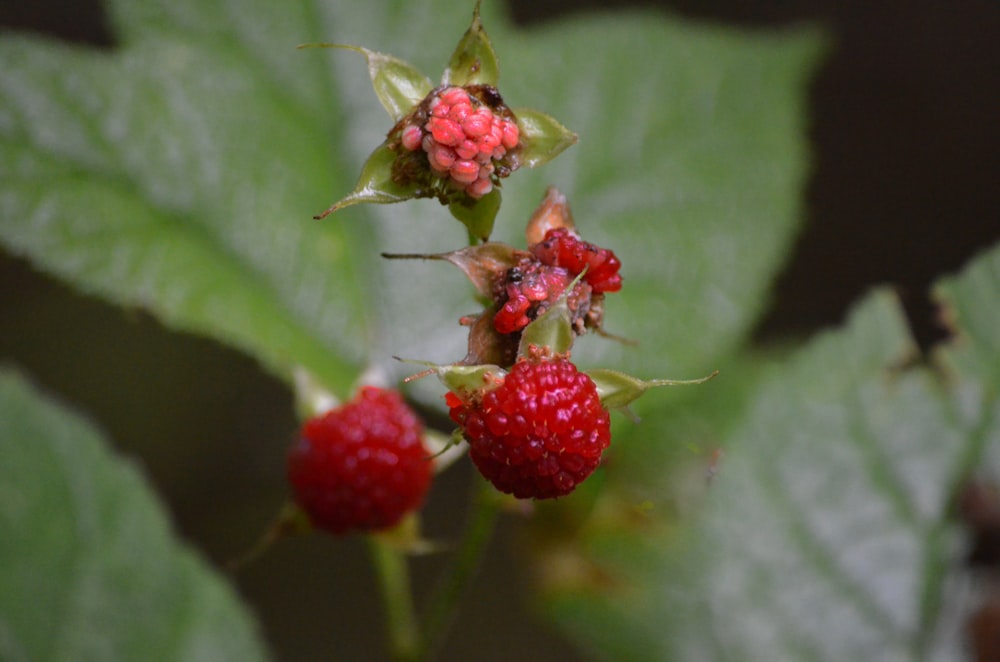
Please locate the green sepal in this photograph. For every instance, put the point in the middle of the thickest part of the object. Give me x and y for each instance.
(617, 390)
(479, 215)
(474, 61)
(398, 84)
(469, 378)
(459, 377)
(542, 136)
(375, 184)
(444, 448)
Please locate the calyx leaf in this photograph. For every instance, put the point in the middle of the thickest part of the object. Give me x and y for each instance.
(469, 378)
(618, 390)
(553, 212)
(482, 263)
(375, 184)
(479, 215)
(312, 398)
(542, 136)
(474, 61)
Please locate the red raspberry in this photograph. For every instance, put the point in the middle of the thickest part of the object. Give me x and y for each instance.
(540, 433)
(464, 139)
(561, 247)
(361, 466)
(528, 289)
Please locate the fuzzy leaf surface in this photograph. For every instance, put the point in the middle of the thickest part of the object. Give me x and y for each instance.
(827, 532)
(91, 569)
(179, 173)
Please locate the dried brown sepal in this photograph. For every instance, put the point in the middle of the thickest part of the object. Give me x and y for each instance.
(553, 212)
(483, 264)
(489, 346)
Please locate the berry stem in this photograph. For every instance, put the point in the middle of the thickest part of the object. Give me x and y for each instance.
(443, 603)
(394, 579)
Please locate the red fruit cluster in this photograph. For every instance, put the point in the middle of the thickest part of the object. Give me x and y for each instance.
(465, 140)
(528, 289)
(538, 434)
(561, 247)
(361, 466)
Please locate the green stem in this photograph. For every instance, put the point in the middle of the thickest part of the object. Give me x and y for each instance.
(394, 578)
(443, 603)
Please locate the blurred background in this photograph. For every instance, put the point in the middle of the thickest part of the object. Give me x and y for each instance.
(905, 186)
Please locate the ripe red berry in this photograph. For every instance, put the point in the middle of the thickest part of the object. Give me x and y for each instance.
(540, 433)
(561, 247)
(361, 466)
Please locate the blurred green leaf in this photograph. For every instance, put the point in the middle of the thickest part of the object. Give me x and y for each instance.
(398, 84)
(91, 570)
(690, 166)
(179, 173)
(826, 534)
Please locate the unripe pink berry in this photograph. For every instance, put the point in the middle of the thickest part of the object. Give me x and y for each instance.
(454, 95)
(478, 124)
(464, 171)
(467, 149)
(412, 137)
(445, 131)
(441, 158)
(460, 112)
(511, 135)
(489, 142)
(439, 109)
(480, 187)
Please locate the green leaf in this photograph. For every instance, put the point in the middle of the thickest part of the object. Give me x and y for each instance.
(91, 570)
(827, 532)
(179, 174)
(399, 85)
(474, 61)
(968, 311)
(129, 176)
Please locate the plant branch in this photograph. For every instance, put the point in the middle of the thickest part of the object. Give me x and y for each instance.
(394, 580)
(443, 603)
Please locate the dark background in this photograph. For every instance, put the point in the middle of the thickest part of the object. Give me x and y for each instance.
(905, 133)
